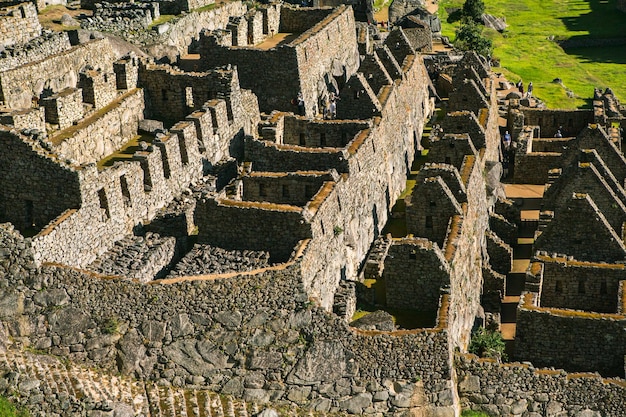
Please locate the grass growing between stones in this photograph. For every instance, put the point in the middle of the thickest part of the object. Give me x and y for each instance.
(164, 18)
(7, 409)
(472, 413)
(528, 48)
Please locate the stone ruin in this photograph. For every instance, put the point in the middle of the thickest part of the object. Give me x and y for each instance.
(190, 245)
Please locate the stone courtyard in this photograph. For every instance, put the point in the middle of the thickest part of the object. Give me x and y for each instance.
(187, 230)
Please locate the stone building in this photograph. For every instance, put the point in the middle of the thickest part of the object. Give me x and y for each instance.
(185, 232)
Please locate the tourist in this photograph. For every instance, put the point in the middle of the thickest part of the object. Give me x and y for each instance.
(558, 134)
(332, 109)
(520, 86)
(507, 140)
(530, 89)
(301, 107)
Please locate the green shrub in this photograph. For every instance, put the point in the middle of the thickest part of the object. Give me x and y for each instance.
(469, 37)
(474, 10)
(110, 325)
(487, 344)
(7, 409)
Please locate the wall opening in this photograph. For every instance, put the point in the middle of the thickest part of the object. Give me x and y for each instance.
(29, 216)
(125, 191)
(429, 222)
(302, 139)
(262, 190)
(104, 202)
(184, 156)
(166, 163)
(558, 287)
(285, 191)
(581, 287)
(322, 140)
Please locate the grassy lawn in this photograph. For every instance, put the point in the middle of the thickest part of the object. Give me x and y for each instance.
(526, 50)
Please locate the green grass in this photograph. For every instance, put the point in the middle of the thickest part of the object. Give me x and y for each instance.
(7, 409)
(470, 413)
(404, 318)
(205, 8)
(164, 18)
(526, 51)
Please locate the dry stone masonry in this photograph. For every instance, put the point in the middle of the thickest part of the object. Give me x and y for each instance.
(189, 231)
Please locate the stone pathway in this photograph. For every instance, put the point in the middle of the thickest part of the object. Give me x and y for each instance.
(529, 196)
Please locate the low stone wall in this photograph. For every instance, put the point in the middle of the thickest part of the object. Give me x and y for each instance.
(104, 132)
(248, 225)
(49, 43)
(207, 259)
(269, 156)
(533, 167)
(143, 258)
(580, 285)
(520, 389)
(570, 339)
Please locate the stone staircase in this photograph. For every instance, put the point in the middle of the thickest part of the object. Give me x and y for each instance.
(44, 376)
(529, 197)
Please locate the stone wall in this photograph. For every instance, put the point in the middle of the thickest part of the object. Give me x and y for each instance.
(587, 341)
(232, 224)
(36, 189)
(430, 209)
(300, 65)
(500, 254)
(64, 107)
(99, 88)
(415, 271)
(549, 121)
(320, 134)
(18, 24)
(464, 252)
(568, 233)
(57, 72)
(92, 140)
(586, 178)
(30, 119)
(518, 389)
(116, 198)
(171, 94)
(268, 156)
(283, 188)
(532, 167)
(254, 336)
(580, 285)
(49, 43)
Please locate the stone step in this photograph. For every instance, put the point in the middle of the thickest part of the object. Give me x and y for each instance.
(145, 398)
